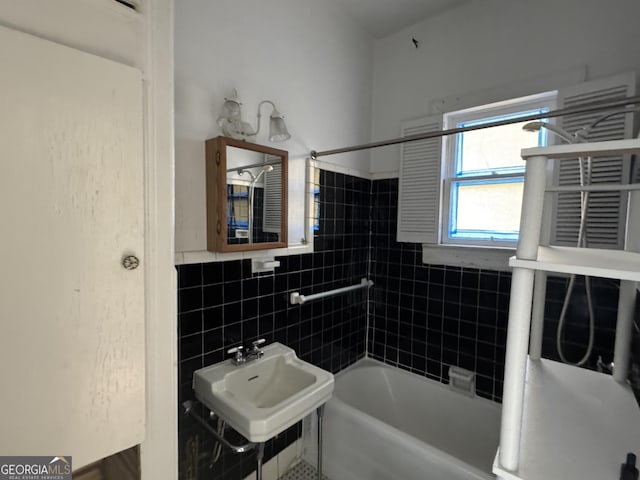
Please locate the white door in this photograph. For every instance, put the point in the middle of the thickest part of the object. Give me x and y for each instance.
(71, 207)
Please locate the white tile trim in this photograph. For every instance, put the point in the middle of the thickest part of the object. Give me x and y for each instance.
(384, 175)
(468, 256)
(332, 167)
(203, 256)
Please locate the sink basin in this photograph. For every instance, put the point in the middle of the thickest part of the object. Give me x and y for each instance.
(263, 397)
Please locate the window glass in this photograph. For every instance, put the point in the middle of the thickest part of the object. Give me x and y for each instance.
(484, 174)
(487, 210)
(485, 151)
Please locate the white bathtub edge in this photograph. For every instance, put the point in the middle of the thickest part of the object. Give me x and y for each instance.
(405, 439)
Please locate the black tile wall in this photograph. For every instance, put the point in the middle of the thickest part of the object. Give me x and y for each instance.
(425, 318)
(222, 305)
(422, 318)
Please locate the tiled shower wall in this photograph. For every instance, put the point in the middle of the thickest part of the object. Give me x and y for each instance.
(425, 318)
(422, 318)
(223, 304)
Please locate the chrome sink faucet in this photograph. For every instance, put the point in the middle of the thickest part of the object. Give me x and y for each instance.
(240, 356)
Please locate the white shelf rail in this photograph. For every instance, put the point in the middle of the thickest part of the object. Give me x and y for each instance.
(530, 257)
(599, 187)
(296, 299)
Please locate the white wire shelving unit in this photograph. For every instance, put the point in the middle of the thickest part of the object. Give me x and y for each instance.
(561, 421)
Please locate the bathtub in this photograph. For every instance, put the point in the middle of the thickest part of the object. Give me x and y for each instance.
(384, 423)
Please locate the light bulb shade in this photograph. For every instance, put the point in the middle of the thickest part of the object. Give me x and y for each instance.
(277, 128)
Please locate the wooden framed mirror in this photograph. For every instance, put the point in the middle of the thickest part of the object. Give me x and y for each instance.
(246, 196)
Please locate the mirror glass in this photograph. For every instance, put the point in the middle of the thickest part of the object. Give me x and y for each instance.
(250, 196)
(254, 200)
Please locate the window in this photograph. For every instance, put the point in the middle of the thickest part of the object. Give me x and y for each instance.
(483, 174)
(452, 190)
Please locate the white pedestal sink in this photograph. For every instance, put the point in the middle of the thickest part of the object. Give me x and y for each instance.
(263, 397)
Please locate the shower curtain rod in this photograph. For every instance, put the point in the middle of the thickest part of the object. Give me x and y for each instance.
(275, 161)
(593, 107)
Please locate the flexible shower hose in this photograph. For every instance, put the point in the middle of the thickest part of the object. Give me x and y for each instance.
(585, 179)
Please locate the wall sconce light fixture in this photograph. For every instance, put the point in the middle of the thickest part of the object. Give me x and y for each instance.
(232, 125)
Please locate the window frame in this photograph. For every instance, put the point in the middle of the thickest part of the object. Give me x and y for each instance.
(451, 160)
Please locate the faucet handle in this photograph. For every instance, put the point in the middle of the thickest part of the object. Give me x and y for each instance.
(237, 350)
(258, 342)
(238, 357)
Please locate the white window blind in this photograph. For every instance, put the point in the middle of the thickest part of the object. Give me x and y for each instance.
(272, 205)
(607, 210)
(419, 183)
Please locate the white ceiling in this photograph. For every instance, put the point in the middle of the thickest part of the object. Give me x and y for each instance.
(384, 17)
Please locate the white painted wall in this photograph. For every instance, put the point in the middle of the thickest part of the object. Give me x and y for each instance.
(305, 55)
(489, 50)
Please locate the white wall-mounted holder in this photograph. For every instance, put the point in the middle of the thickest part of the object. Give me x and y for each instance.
(462, 380)
(263, 265)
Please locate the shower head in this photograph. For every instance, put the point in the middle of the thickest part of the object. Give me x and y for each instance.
(580, 135)
(255, 178)
(263, 170)
(533, 126)
(563, 134)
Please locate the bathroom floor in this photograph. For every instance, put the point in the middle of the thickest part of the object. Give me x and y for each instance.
(301, 471)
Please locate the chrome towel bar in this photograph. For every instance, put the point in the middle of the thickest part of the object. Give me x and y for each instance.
(188, 407)
(296, 299)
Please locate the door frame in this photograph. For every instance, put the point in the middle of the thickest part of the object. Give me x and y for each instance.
(159, 451)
